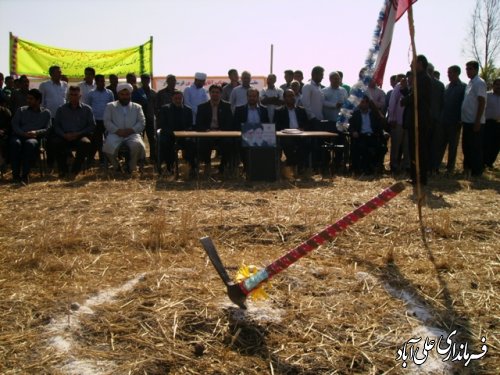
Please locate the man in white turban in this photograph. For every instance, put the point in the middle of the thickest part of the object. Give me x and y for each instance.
(195, 94)
(124, 122)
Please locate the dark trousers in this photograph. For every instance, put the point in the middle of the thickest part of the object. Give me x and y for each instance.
(366, 151)
(296, 151)
(422, 153)
(168, 150)
(63, 148)
(491, 142)
(97, 140)
(150, 133)
(229, 151)
(23, 152)
(448, 136)
(472, 147)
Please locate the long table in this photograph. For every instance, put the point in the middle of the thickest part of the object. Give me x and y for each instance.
(214, 134)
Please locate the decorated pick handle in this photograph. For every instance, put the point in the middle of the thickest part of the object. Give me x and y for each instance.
(326, 235)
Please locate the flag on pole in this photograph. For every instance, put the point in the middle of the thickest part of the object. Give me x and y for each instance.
(403, 6)
(393, 11)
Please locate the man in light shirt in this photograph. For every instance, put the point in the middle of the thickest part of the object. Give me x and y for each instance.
(124, 122)
(54, 91)
(234, 81)
(88, 84)
(473, 120)
(335, 95)
(97, 100)
(195, 94)
(492, 128)
(239, 94)
(271, 96)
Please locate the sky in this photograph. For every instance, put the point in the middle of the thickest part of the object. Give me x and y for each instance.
(214, 36)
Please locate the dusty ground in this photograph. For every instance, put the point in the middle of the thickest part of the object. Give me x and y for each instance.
(105, 276)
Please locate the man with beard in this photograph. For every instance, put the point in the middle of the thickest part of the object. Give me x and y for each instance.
(124, 122)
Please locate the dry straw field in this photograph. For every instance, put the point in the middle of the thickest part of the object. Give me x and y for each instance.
(106, 276)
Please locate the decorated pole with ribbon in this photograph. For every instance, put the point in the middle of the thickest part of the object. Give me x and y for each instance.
(238, 292)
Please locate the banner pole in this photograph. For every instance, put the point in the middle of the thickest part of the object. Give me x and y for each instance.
(420, 196)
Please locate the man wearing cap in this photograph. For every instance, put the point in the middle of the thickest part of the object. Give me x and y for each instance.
(124, 122)
(195, 94)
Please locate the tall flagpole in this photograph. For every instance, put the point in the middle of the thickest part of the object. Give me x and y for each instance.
(420, 196)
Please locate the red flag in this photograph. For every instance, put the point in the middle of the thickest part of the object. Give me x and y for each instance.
(403, 6)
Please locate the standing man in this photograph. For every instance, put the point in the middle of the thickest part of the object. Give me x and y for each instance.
(312, 96)
(125, 123)
(149, 112)
(473, 120)
(299, 76)
(164, 96)
(492, 128)
(436, 128)
(29, 124)
(20, 97)
(88, 84)
(97, 100)
(271, 96)
(450, 119)
(234, 81)
(424, 85)
(399, 135)
(73, 127)
(54, 91)
(239, 94)
(376, 95)
(288, 80)
(195, 94)
(334, 95)
(113, 83)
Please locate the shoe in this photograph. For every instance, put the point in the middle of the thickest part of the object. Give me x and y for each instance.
(25, 180)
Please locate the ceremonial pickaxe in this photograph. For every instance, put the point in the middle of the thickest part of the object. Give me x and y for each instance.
(238, 292)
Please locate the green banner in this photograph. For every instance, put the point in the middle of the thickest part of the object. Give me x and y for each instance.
(34, 59)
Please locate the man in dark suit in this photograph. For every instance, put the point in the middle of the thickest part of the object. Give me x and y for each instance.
(367, 137)
(175, 116)
(291, 116)
(252, 112)
(215, 114)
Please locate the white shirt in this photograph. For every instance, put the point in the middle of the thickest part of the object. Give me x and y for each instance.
(271, 93)
(332, 98)
(193, 97)
(53, 95)
(377, 96)
(84, 91)
(312, 100)
(238, 97)
(475, 88)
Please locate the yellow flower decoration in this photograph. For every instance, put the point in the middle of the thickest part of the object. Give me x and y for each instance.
(244, 273)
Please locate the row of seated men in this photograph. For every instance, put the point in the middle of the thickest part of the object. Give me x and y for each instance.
(74, 129)
(71, 129)
(367, 147)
